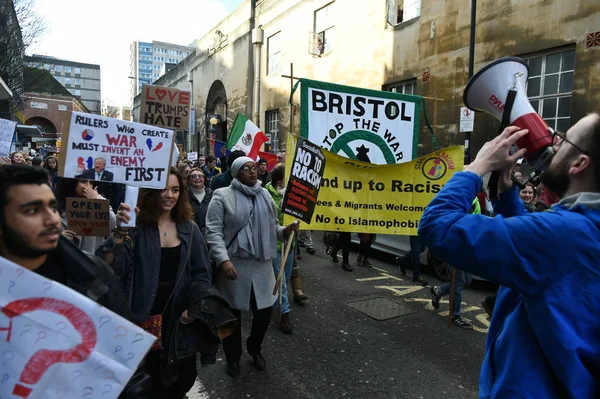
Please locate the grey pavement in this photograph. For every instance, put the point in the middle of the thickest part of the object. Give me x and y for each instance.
(338, 352)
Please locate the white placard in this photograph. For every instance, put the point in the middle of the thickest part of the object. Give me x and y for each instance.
(135, 154)
(467, 119)
(7, 132)
(192, 156)
(131, 198)
(56, 343)
(368, 125)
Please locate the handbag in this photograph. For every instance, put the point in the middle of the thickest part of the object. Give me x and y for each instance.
(154, 323)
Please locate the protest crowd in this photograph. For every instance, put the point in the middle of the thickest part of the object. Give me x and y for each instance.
(209, 246)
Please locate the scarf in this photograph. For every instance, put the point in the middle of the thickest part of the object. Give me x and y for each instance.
(258, 237)
(199, 194)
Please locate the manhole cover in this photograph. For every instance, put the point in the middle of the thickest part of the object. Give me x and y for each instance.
(381, 308)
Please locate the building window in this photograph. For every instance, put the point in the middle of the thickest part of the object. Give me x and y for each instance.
(550, 86)
(47, 67)
(404, 87)
(272, 118)
(325, 29)
(39, 105)
(67, 69)
(77, 92)
(403, 10)
(57, 68)
(68, 81)
(77, 71)
(78, 82)
(274, 53)
(62, 107)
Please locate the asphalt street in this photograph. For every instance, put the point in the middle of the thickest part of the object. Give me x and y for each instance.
(338, 352)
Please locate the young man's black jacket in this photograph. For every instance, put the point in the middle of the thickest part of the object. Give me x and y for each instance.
(90, 276)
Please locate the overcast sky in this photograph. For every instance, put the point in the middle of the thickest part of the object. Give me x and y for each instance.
(100, 32)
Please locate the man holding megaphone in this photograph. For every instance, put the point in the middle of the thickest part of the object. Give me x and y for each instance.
(544, 339)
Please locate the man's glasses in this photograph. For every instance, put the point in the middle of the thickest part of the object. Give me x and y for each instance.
(559, 137)
(248, 168)
(196, 177)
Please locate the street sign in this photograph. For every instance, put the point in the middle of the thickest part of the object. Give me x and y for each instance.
(467, 119)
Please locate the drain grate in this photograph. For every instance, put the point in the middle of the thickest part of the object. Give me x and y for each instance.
(381, 308)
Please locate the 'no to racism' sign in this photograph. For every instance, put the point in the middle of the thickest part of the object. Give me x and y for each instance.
(304, 183)
(366, 125)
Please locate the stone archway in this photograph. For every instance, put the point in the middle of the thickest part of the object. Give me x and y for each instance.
(45, 123)
(216, 103)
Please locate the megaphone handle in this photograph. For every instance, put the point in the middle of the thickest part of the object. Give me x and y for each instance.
(508, 105)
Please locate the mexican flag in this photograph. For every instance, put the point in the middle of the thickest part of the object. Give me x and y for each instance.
(246, 136)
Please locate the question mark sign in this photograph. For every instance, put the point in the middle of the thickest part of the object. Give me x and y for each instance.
(108, 374)
(5, 378)
(43, 359)
(130, 356)
(123, 334)
(118, 348)
(46, 284)
(79, 374)
(19, 272)
(106, 320)
(41, 336)
(107, 389)
(63, 326)
(87, 391)
(138, 338)
(11, 284)
(8, 356)
(25, 330)
(102, 363)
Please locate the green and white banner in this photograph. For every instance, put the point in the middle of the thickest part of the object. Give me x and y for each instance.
(368, 125)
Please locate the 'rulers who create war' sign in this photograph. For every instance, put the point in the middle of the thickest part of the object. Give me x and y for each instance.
(88, 217)
(304, 183)
(166, 107)
(367, 125)
(133, 153)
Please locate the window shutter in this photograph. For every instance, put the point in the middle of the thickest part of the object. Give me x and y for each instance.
(392, 14)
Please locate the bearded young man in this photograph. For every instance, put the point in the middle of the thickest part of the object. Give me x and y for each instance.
(30, 236)
(543, 341)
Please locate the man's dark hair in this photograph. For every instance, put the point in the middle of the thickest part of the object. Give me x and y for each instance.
(17, 175)
(277, 174)
(36, 161)
(233, 156)
(262, 160)
(210, 158)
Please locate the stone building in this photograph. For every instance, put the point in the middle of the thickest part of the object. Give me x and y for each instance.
(409, 46)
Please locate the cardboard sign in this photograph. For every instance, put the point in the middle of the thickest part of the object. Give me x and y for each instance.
(373, 126)
(57, 343)
(192, 156)
(303, 186)
(7, 132)
(88, 217)
(133, 154)
(166, 107)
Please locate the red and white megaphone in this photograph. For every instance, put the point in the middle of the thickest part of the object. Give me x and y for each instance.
(500, 90)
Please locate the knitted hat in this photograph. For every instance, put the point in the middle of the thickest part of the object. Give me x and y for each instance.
(238, 163)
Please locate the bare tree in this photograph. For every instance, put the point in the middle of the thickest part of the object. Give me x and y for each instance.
(32, 24)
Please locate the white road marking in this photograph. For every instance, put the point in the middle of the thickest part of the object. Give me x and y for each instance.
(401, 290)
(198, 391)
(384, 276)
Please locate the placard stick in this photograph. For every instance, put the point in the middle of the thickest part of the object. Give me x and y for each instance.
(283, 259)
(452, 285)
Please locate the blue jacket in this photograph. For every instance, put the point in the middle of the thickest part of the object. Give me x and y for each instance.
(544, 337)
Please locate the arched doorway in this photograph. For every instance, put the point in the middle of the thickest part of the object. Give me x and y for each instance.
(46, 124)
(216, 105)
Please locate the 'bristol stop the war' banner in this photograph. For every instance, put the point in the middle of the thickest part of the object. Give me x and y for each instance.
(383, 199)
(367, 125)
(129, 152)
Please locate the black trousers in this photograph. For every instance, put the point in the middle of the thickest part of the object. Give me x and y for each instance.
(366, 240)
(187, 376)
(232, 345)
(343, 242)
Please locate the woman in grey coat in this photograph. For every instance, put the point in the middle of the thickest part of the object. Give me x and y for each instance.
(242, 233)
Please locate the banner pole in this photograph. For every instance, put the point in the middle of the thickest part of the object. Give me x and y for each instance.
(282, 264)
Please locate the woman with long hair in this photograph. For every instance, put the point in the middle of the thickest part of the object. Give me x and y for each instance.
(17, 158)
(242, 232)
(80, 189)
(163, 263)
(51, 165)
